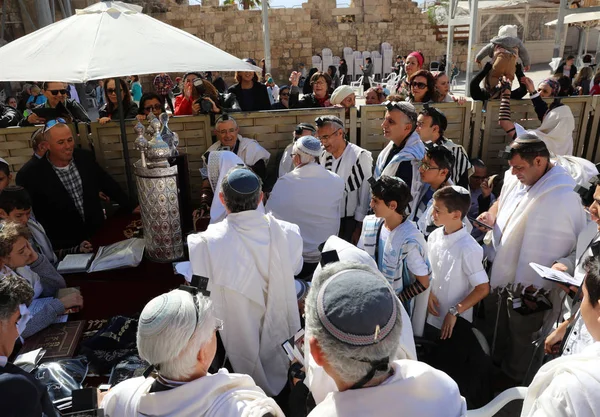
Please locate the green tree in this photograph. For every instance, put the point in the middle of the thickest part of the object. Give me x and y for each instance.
(246, 4)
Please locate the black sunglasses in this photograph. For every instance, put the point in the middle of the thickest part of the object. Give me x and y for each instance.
(418, 85)
(111, 90)
(155, 107)
(55, 92)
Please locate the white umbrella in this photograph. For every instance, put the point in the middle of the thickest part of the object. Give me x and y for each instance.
(589, 18)
(110, 39)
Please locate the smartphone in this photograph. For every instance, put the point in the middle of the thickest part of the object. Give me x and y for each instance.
(478, 223)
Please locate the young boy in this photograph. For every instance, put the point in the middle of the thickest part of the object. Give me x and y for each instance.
(394, 242)
(458, 278)
(5, 175)
(435, 170)
(15, 205)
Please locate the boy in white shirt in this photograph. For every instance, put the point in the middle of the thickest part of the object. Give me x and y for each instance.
(394, 242)
(458, 278)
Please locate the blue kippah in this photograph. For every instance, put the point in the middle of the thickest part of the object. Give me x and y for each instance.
(357, 307)
(243, 181)
(310, 145)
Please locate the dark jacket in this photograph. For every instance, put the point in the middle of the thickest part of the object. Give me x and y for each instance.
(9, 116)
(220, 85)
(53, 206)
(75, 110)
(308, 101)
(258, 92)
(278, 106)
(561, 68)
(129, 113)
(21, 395)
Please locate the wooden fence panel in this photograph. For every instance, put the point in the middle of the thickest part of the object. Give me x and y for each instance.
(522, 112)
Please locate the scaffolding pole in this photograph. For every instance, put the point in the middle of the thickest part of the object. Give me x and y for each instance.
(474, 4)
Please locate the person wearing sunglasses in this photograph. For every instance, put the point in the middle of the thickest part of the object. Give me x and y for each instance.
(110, 111)
(65, 187)
(57, 98)
(422, 87)
(177, 334)
(284, 99)
(150, 103)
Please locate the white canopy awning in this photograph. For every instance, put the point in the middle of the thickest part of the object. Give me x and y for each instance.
(110, 39)
(577, 18)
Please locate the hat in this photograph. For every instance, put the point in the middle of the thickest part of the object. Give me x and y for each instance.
(171, 315)
(419, 56)
(310, 145)
(243, 181)
(508, 30)
(357, 307)
(460, 190)
(304, 126)
(553, 84)
(250, 61)
(405, 107)
(3, 161)
(340, 93)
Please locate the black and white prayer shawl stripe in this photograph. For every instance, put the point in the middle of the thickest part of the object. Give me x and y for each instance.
(461, 160)
(355, 178)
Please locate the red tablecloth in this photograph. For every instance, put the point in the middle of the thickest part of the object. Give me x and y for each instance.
(121, 291)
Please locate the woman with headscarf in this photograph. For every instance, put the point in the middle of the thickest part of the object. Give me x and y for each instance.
(414, 62)
(557, 119)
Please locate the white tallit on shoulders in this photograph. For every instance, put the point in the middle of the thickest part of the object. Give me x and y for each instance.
(542, 228)
(219, 164)
(581, 170)
(567, 386)
(249, 150)
(250, 259)
(556, 130)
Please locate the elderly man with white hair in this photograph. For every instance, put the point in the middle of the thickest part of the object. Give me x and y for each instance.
(177, 335)
(311, 197)
(250, 260)
(353, 327)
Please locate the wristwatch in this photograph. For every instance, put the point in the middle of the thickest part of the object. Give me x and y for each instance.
(454, 311)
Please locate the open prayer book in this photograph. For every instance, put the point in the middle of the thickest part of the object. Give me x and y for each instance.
(124, 254)
(29, 361)
(294, 347)
(554, 275)
(75, 263)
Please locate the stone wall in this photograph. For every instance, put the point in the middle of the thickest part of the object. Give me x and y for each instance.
(299, 33)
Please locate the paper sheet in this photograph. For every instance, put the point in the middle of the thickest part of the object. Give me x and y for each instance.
(554, 275)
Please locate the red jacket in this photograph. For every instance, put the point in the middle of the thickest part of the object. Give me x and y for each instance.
(183, 107)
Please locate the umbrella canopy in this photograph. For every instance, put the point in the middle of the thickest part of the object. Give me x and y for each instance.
(110, 39)
(589, 19)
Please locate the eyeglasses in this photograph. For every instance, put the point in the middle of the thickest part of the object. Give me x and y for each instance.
(111, 91)
(224, 132)
(284, 94)
(418, 85)
(55, 92)
(320, 82)
(327, 137)
(426, 166)
(421, 124)
(155, 107)
(51, 123)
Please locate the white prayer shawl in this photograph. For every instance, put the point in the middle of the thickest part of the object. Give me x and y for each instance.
(567, 386)
(413, 151)
(41, 242)
(309, 196)
(286, 164)
(542, 227)
(557, 130)
(415, 389)
(249, 150)
(355, 167)
(217, 395)
(250, 259)
(219, 164)
(581, 170)
(318, 382)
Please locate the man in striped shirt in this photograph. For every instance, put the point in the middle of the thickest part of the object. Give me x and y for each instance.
(431, 125)
(355, 166)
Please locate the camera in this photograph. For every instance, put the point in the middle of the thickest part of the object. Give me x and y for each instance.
(205, 105)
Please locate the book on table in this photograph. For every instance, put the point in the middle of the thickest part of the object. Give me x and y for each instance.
(75, 263)
(125, 254)
(59, 340)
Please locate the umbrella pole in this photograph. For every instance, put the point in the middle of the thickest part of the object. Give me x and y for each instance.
(121, 111)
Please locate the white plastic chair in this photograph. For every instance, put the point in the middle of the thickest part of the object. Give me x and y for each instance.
(358, 87)
(336, 61)
(494, 406)
(377, 65)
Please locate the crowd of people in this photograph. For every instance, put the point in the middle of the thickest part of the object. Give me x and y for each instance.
(390, 265)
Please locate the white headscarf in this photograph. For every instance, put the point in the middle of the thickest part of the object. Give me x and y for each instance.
(219, 163)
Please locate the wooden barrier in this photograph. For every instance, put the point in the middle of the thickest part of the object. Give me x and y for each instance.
(494, 139)
(371, 118)
(477, 131)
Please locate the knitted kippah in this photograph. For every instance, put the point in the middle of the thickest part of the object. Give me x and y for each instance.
(310, 145)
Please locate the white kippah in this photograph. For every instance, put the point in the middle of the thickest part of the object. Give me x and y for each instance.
(460, 190)
(310, 145)
(171, 316)
(340, 93)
